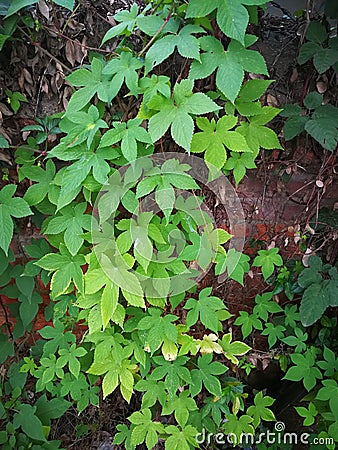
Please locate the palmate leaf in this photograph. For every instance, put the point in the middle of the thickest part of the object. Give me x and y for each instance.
(233, 349)
(156, 330)
(181, 407)
(105, 81)
(208, 373)
(216, 138)
(304, 369)
(145, 429)
(176, 113)
(38, 191)
(66, 268)
(72, 222)
(232, 16)
(10, 207)
(86, 162)
(260, 411)
(230, 64)
(175, 373)
(128, 133)
(127, 23)
(118, 371)
(205, 309)
(267, 260)
(257, 134)
(184, 439)
(124, 70)
(186, 44)
(238, 163)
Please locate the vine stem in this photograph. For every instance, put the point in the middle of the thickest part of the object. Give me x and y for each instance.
(158, 31)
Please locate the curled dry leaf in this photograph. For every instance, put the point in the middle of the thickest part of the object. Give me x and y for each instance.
(44, 9)
(5, 110)
(294, 75)
(271, 100)
(321, 86)
(305, 260)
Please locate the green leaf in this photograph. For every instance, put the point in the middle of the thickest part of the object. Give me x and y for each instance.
(267, 260)
(329, 392)
(248, 322)
(66, 268)
(72, 222)
(29, 423)
(238, 163)
(205, 309)
(207, 373)
(307, 51)
(313, 100)
(236, 426)
(16, 5)
(298, 341)
(230, 65)
(316, 32)
(314, 302)
(186, 44)
(233, 349)
(145, 429)
(153, 391)
(235, 263)
(127, 19)
(294, 126)
(174, 372)
(330, 365)
(157, 329)
(176, 113)
(324, 59)
(128, 133)
(264, 305)
(37, 192)
(122, 69)
(216, 138)
(232, 17)
(69, 4)
(323, 126)
(304, 369)
(181, 407)
(3, 142)
(178, 439)
(109, 301)
(259, 410)
(10, 207)
(273, 332)
(308, 414)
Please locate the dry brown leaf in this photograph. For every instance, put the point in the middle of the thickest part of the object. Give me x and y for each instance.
(27, 76)
(321, 86)
(294, 76)
(271, 101)
(5, 110)
(70, 52)
(44, 9)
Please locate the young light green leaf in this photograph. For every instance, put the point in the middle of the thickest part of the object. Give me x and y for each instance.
(176, 113)
(233, 349)
(216, 138)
